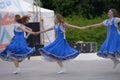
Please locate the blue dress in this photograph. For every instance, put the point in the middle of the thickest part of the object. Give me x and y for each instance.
(59, 49)
(111, 46)
(17, 48)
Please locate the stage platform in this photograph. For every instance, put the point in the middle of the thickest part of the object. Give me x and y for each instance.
(84, 67)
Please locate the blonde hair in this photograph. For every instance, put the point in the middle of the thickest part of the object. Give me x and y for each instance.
(60, 18)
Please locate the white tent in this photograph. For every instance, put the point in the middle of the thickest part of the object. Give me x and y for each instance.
(9, 8)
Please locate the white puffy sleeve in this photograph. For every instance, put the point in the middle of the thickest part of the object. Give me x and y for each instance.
(17, 25)
(105, 22)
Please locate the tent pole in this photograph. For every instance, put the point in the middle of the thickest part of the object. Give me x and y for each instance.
(34, 10)
(41, 22)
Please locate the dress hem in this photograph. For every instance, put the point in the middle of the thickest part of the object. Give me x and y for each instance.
(12, 55)
(55, 57)
(109, 55)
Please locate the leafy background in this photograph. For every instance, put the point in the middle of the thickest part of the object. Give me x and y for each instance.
(81, 13)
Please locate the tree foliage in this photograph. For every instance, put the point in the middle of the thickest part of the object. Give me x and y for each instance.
(86, 8)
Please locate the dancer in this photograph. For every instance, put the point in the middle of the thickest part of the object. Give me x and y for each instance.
(111, 46)
(59, 50)
(18, 50)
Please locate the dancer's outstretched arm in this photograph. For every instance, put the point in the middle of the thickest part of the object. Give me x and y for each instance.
(42, 31)
(28, 34)
(95, 25)
(77, 27)
(26, 30)
(84, 27)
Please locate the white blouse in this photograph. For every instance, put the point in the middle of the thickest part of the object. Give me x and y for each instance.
(17, 25)
(117, 20)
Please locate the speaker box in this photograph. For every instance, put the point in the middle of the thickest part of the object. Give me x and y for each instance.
(77, 46)
(34, 41)
(85, 47)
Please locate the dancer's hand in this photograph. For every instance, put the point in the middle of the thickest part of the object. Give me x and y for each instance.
(34, 33)
(37, 33)
(27, 35)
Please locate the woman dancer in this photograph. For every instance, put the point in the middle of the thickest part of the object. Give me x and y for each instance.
(59, 50)
(111, 46)
(18, 50)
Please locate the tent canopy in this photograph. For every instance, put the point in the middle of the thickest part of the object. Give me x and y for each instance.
(9, 8)
(21, 6)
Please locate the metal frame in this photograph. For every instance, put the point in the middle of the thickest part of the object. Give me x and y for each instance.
(38, 17)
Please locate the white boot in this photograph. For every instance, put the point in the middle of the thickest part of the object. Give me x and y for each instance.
(115, 62)
(62, 70)
(17, 71)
